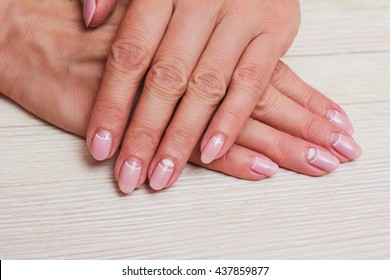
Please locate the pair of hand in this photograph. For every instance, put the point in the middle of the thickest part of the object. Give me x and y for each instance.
(206, 65)
(54, 69)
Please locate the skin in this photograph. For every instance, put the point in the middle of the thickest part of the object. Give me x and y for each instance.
(52, 66)
(206, 64)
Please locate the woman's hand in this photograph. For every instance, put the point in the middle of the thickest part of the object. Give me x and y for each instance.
(289, 124)
(207, 64)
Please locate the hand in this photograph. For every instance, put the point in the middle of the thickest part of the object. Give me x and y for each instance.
(200, 54)
(55, 96)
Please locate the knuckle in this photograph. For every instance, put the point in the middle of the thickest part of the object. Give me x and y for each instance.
(233, 116)
(283, 17)
(167, 79)
(248, 131)
(280, 72)
(128, 56)
(311, 129)
(112, 111)
(208, 85)
(266, 103)
(182, 137)
(309, 100)
(286, 15)
(284, 24)
(282, 150)
(249, 74)
(145, 137)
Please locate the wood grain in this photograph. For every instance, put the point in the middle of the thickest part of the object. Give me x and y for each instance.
(56, 203)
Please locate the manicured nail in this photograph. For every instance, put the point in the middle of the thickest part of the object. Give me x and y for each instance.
(322, 160)
(89, 10)
(212, 149)
(130, 175)
(263, 166)
(340, 120)
(162, 174)
(101, 145)
(346, 146)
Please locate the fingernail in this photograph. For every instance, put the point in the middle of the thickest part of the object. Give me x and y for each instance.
(322, 160)
(263, 166)
(130, 175)
(88, 11)
(101, 145)
(162, 174)
(346, 146)
(212, 149)
(340, 120)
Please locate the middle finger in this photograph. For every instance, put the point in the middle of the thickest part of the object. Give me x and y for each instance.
(165, 83)
(206, 89)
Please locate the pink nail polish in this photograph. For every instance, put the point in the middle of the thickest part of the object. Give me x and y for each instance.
(130, 175)
(263, 166)
(346, 146)
(212, 149)
(89, 10)
(340, 120)
(162, 174)
(101, 145)
(322, 160)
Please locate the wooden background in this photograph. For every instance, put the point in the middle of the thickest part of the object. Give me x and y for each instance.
(55, 202)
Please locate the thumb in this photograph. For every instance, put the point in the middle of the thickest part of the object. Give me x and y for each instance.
(95, 12)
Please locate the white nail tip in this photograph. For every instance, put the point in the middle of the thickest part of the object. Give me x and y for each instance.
(167, 163)
(322, 160)
(133, 164)
(103, 135)
(312, 155)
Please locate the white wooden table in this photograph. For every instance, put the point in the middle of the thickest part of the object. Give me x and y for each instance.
(55, 202)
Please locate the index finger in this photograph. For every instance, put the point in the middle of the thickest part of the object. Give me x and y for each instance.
(136, 42)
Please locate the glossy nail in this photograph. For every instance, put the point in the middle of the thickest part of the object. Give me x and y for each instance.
(101, 145)
(322, 160)
(212, 149)
(263, 166)
(346, 146)
(130, 175)
(162, 174)
(89, 10)
(340, 120)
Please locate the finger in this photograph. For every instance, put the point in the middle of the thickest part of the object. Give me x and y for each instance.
(95, 12)
(284, 114)
(165, 84)
(249, 81)
(287, 151)
(240, 162)
(136, 41)
(206, 88)
(286, 81)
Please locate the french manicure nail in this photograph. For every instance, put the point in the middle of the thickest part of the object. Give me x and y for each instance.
(340, 120)
(322, 160)
(130, 175)
(89, 10)
(263, 166)
(162, 174)
(212, 149)
(101, 145)
(346, 146)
